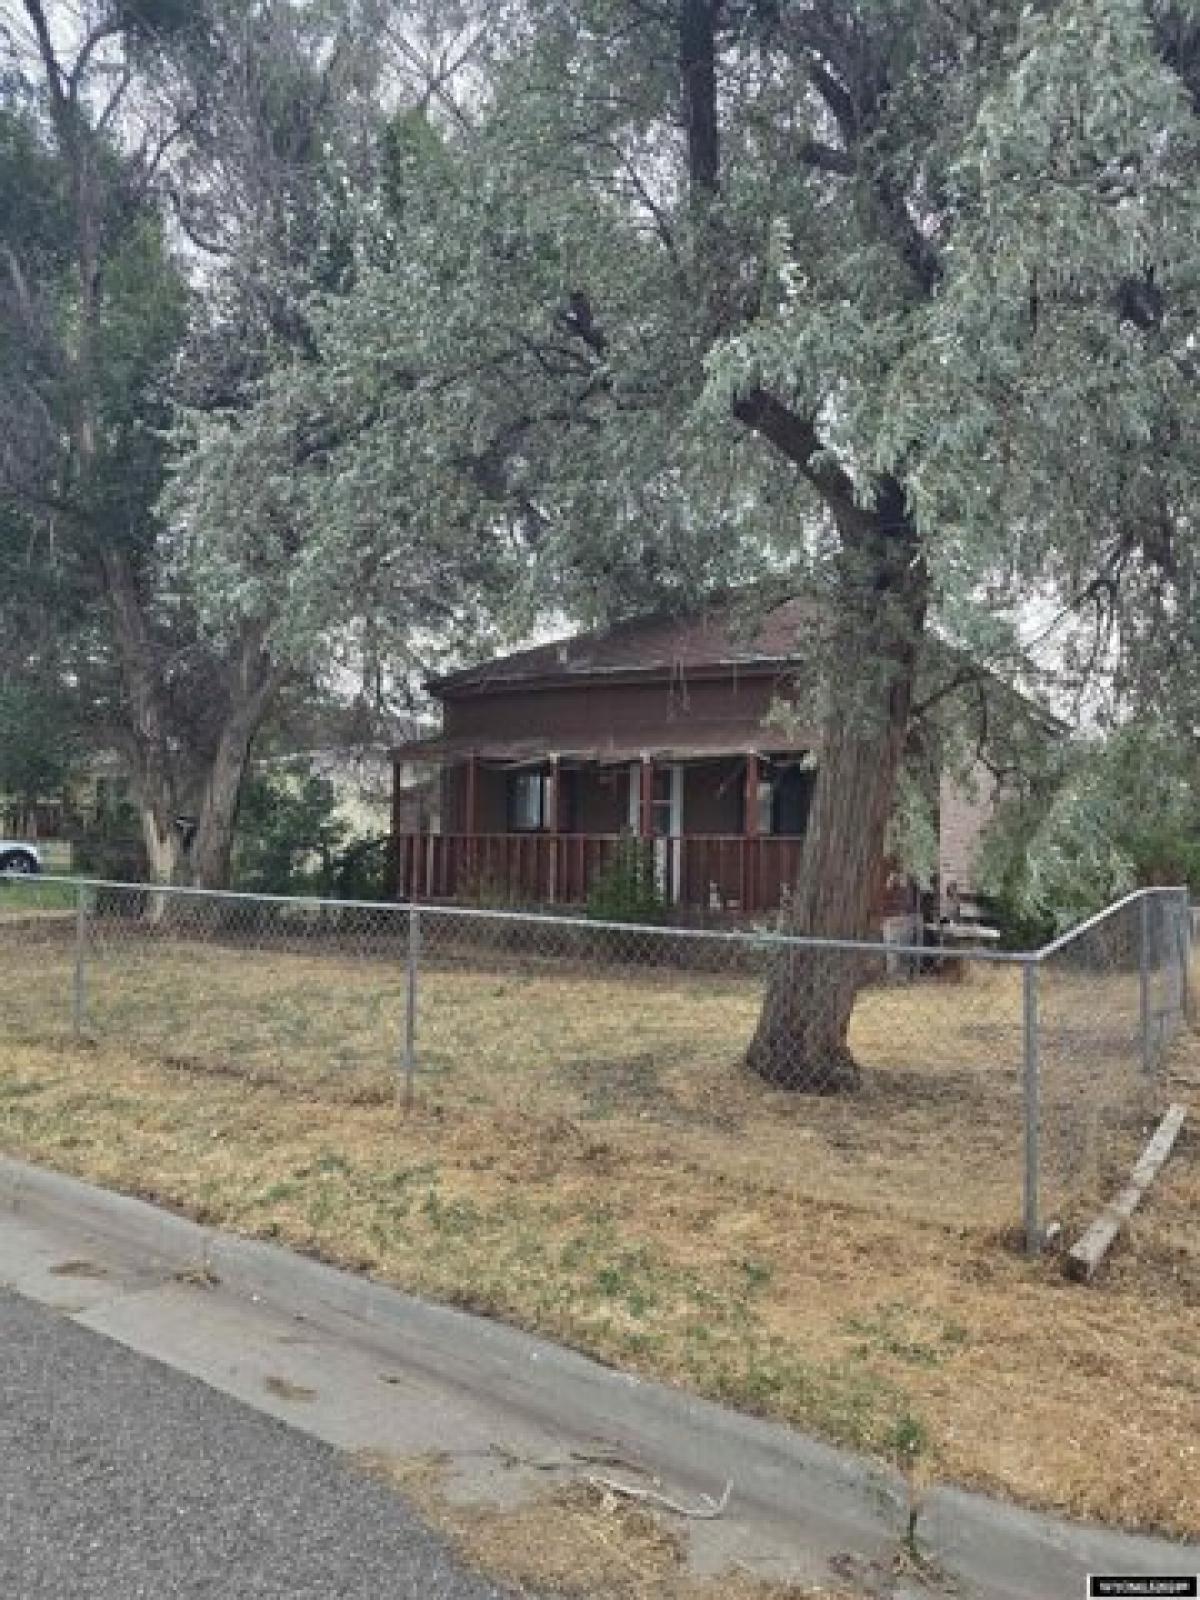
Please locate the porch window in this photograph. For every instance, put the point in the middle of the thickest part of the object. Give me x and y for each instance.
(664, 802)
(784, 796)
(766, 805)
(528, 802)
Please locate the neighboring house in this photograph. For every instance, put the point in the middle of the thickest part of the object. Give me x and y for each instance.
(363, 778)
(964, 811)
(97, 791)
(664, 727)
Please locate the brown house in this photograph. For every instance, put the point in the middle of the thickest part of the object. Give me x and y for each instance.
(667, 728)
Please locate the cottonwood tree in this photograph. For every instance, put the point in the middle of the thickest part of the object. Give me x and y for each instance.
(171, 169)
(91, 314)
(924, 271)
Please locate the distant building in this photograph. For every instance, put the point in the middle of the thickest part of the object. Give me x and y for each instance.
(374, 795)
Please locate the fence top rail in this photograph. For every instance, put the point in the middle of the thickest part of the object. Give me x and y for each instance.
(1069, 937)
(757, 940)
(185, 890)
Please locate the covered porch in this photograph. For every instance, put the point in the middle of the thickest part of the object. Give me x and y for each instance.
(723, 828)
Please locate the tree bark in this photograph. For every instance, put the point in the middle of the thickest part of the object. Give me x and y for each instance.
(149, 743)
(252, 686)
(153, 743)
(801, 1039)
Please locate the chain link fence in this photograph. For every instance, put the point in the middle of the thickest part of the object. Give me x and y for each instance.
(999, 1091)
(1106, 1000)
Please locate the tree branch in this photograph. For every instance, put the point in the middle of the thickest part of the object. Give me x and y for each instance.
(796, 438)
(20, 287)
(114, 101)
(55, 77)
(838, 100)
(827, 158)
(111, 29)
(654, 210)
(150, 158)
(698, 79)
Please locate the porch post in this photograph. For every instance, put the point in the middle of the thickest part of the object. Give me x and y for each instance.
(468, 856)
(646, 809)
(392, 886)
(750, 828)
(554, 820)
(471, 819)
(749, 835)
(554, 796)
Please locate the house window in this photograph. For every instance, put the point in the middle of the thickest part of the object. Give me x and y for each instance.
(664, 805)
(666, 801)
(766, 805)
(527, 801)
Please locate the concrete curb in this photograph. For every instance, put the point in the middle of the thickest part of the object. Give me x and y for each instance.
(841, 1501)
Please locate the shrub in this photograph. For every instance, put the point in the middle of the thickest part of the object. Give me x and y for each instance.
(627, 889)
(111, 846)
(1124, 813)
(288, 837)
(363, 870)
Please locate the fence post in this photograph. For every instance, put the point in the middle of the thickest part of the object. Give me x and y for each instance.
(1032, 1099)
(410, 1009)
(1184, 948)
(1144, 982)
(79, 984)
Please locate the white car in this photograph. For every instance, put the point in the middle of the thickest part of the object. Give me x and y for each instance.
(17, 855)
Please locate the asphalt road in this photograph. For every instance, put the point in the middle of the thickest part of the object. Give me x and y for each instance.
(120, 1479)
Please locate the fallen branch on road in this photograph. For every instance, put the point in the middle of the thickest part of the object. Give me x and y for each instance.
(708, 1512)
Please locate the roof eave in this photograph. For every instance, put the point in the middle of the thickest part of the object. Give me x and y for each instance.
(466, 682)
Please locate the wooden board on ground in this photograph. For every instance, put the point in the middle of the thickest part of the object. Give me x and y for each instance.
(1084, 1258)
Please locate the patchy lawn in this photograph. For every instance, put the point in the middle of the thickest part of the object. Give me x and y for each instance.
(23, 896)
(586, 1158)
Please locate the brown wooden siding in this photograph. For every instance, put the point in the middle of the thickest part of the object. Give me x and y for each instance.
(658, 713)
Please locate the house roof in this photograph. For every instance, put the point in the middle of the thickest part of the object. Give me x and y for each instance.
(722, 635)
(729, 637)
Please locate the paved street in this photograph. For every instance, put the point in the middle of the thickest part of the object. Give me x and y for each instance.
(120, 1479)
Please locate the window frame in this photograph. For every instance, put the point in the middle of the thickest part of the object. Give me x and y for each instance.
(533, 784)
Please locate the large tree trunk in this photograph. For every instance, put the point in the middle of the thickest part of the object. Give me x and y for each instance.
(212, 847)
(163, 846)
(801, 1039)
(253, 682)
(878, 610)
(149, 742)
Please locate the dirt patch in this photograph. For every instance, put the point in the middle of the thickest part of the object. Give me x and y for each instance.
(78, 1269)
(578, 1540)
(285, 1389)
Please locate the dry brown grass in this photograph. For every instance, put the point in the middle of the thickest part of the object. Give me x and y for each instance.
(576, 1540)
(587, 1159)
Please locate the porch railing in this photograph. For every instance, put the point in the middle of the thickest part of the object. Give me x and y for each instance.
(697, 871)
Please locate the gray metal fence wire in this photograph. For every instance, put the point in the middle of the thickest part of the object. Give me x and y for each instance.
(1112, 995)
(999, 1088)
